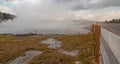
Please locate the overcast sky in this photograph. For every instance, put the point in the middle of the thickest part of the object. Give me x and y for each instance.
(56, 15)
(63, 9)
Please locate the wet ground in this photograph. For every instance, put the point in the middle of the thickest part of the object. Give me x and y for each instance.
(52, 43)
(52, 49)
(26, 58)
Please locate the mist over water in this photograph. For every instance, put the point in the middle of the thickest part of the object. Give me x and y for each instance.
(41, 27)
(56, 16)
(44, 17)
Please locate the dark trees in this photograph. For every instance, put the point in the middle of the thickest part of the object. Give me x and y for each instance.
(6, 16)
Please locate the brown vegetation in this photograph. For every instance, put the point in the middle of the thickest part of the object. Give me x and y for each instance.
(13, 46)
(83, 43)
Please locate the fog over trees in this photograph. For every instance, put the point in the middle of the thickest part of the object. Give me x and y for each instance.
(6, 16)
(113, 21)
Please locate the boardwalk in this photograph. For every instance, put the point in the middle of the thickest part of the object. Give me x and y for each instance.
(109, 43)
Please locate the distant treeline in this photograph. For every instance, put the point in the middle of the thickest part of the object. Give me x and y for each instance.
(113, 21)
(6, 16)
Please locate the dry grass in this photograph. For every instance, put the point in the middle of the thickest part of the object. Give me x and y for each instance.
(52, 57)
(12, 46)
(83, 43)
(77, 42)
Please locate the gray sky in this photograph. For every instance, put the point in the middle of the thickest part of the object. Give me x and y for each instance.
(63, 9)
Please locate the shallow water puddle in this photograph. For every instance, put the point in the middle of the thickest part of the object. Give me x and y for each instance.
(78, 62)
(71, 53)
(52, 43)
(25, 59)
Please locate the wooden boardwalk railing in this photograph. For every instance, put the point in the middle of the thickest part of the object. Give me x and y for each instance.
(96, 31)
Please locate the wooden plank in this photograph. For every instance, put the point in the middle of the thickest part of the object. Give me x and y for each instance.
(97, 44)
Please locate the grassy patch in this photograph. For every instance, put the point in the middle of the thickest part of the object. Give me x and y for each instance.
(52, 57)
(12, 46)
(83, 43)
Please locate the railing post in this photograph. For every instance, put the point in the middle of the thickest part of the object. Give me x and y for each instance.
(96, 29)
